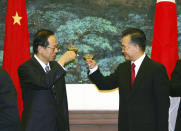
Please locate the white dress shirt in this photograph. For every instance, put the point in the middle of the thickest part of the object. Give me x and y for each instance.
(44, 65)
(138, 63)
(41, 63)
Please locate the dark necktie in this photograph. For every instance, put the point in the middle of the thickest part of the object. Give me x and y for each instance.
(132, 74)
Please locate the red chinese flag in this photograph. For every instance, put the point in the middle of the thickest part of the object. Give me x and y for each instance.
(165, 41)
(16, 43)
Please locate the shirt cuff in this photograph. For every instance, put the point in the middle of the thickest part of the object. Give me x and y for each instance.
(62, 67)
(93, 70)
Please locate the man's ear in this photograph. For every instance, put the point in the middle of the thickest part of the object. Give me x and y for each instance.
(138, 47)
(40, 49)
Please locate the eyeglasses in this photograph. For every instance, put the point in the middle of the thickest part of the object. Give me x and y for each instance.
(124, 47)
(55, 48)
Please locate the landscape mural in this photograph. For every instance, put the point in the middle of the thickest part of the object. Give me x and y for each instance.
(94, 26)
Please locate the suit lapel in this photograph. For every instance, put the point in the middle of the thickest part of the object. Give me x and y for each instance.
(140, 74)
(37, 64)
(52, 65)
(128, 75)
(125, 78)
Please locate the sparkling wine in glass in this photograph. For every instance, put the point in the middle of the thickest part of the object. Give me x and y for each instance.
(88, 57)
(73, 48)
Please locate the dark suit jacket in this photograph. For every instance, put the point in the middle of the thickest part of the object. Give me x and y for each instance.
(44, 97)
(145, 106)
(9, 116)
(175, 91)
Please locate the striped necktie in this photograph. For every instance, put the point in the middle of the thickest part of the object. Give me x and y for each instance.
(47, 69)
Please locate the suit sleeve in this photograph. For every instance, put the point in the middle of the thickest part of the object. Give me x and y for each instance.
(9, 115)
(33, 78)
(175, 82)
(104, 82)
(161, 96)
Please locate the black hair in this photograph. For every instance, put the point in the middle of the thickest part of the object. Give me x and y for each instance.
(137, 37)
(41, 39)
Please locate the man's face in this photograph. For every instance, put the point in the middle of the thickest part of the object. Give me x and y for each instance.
(49, 53)
(128, 49)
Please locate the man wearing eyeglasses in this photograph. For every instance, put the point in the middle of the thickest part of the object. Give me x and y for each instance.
(142, 83)
(43, 86)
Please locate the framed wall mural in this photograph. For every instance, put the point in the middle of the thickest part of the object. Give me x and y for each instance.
(93, 26)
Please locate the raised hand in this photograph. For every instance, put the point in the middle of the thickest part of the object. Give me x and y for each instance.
(67, 57)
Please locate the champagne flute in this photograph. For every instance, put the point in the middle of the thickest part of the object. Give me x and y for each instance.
(73, 48)
(88, 57)
(77, 65)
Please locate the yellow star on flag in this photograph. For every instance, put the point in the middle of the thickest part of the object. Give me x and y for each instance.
(17, 19)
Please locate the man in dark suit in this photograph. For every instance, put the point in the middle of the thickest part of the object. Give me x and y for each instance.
(43, 86)
(142, 83)
(9, 117)
(175, 91)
